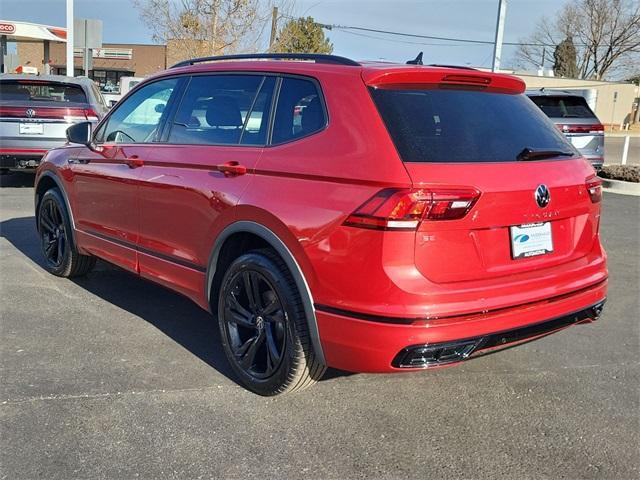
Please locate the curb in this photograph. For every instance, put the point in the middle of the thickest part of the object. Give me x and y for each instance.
(623, 188)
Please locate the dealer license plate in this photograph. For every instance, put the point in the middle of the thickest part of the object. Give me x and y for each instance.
(531, 240)
(31, 129)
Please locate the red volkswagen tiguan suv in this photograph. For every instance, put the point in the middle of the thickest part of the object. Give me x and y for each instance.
(371, 217)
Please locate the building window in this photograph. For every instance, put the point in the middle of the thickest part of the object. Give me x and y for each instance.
(107, 80)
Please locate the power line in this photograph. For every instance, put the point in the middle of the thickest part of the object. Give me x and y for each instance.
(407, 42)
(433, 37)
(446, 39)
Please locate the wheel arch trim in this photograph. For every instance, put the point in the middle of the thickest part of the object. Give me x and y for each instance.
(49, 174)
(296, 272)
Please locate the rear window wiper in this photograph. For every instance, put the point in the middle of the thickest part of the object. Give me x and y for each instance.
(531, 154)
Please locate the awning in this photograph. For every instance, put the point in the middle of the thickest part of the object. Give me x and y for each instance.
(29, 32)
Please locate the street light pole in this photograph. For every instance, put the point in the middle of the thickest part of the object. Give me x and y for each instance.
(70, 70)
(497, 46)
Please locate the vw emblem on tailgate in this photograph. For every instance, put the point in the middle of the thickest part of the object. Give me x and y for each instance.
(30, 113)
(543, 197)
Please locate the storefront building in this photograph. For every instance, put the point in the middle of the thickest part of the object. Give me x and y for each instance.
(110, 63)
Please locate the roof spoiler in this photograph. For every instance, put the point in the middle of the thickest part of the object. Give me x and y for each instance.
(443, 77)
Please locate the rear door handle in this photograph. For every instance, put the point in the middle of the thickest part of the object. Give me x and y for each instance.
(134, 162)
(231, 169)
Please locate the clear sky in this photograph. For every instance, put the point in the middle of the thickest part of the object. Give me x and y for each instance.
(473, 19)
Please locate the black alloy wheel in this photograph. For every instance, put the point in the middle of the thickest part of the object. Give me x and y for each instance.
(53, 235)
(255, 323)
(54, 227)
(263, 326)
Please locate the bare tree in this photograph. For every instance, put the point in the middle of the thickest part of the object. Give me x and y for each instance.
(205, 27)
(606, 34)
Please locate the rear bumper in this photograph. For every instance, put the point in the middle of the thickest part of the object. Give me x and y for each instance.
(359, 345)
(21, 158)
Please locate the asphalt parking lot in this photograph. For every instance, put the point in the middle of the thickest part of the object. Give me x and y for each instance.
(614, 146)
(113, 377)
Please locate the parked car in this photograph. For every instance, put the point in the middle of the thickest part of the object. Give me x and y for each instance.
(371, 217)
(114, 94)
(573, 117)
(35, 112)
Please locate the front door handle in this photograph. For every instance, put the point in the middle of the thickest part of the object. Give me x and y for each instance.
(134, 162)
(231, 169)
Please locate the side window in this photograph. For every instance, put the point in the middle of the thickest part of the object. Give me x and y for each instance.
(217, 110)
(300, 111)
(255, 131)
(98, 95)
(136, 120)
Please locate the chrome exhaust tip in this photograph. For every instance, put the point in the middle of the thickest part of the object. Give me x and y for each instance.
(596, 310)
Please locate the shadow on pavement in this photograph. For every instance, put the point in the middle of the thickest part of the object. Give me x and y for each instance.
(17, 179)
(174, 315)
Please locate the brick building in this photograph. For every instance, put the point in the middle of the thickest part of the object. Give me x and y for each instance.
(112, 61)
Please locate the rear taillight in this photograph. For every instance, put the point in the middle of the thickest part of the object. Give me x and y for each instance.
(80, 115)
(594, 188)
(595, 128)
(90, 114)
(70, 115)
(404, 209)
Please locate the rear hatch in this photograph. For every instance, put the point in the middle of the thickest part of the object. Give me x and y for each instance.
(37, 113)
(575, 119)
(507, 193)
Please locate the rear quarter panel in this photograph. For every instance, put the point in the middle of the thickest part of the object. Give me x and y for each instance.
(305, 189)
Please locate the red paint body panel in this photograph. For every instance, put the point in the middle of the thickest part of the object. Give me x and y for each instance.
(383, 76)
(364, 346)
(105, 201)
(162, 219)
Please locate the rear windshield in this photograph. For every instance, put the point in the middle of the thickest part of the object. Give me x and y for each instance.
(563, 106)
(437, 125)
(40, 91)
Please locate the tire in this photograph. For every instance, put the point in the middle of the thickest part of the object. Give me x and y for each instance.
(54, 227)
(265, 335)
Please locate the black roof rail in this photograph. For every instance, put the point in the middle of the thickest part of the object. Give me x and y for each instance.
(316, 57)
(451, 66)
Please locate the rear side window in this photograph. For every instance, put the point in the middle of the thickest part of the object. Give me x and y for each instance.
(300, 111)
(452, 126)
(224, 110)
(41, 91)
(563, 106)
(98, 95)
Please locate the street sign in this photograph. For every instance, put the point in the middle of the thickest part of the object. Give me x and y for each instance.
(87, 36)
(87, 33)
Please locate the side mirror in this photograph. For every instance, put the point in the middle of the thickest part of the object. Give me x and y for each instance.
(80, 133)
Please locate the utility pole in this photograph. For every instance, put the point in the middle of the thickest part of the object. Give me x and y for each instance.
(497, 46)
(274, 27)
(70, 70)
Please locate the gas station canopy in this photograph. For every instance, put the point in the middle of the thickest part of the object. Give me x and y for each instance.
(31, 32)
(11, 31)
